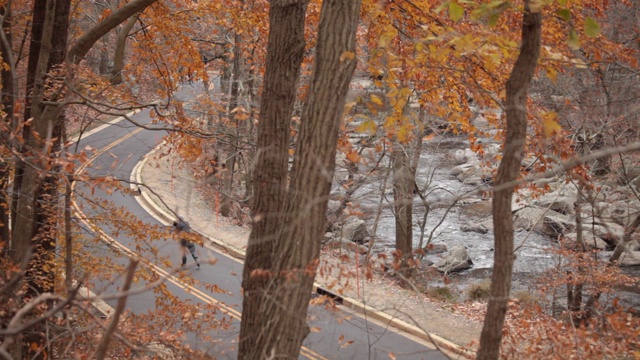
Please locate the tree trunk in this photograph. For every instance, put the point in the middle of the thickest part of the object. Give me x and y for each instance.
(285, 50)
(516, 112)
(7, 97)
(249, 131)
(37, 23)
(277, 299)
(103, 62)
(232, 129)
(403, 185)
(118, 57)
(34, 235)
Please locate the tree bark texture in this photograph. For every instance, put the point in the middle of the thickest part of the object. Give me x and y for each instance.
(8, 95)
(508, 171)
(285, 50)
(37, 23)
(277, 303)
(29, 180)
(34, 236)
(403, 185)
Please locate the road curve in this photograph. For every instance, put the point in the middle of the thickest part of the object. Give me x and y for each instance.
(340, 334)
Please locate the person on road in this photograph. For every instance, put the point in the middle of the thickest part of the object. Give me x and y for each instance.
(185, 245)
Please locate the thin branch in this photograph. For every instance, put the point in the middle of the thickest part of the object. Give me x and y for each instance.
(122, 302)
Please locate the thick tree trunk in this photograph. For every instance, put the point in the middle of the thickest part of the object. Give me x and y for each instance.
(28, 181)
(508, 171)
(34, 236)
(277, 299)
(285, 50)
(37, 23)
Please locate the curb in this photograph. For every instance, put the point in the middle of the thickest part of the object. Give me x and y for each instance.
(152, 207)
(439, 342)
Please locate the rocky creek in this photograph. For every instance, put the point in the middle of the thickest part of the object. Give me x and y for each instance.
(459, 217)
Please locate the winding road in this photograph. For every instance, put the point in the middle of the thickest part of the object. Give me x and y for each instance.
(337, 334)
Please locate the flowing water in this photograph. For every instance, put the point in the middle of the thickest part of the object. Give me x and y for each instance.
(444, 222)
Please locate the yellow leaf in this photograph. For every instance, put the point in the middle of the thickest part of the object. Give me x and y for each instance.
(573, 40)
(550, 126)
(347, 55)
(376, 100)
(368, 127)
(404, 133)
(591, 27)
(387, 37)
(455, 11)
(552, 74)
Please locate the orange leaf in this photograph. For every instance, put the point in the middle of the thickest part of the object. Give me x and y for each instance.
(347, 55)
(353, 157)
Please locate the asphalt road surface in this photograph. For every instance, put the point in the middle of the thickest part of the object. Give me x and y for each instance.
(338, 333)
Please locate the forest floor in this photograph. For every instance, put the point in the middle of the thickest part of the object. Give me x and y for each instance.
(457, 322)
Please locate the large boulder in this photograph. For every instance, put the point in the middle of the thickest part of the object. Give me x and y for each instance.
(571, 241)
(333, 206)
(620, 212)
(460, 169)
(563, 204)
(630, 258)
(457, 260)
(623, 215)
(474, 227)
(555, 223)
(354, 229)
(529, 218)
(464, 156)
(475, 175)
(609, 232)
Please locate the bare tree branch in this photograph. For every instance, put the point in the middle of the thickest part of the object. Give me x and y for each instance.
(122, 302)
(88, 39)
